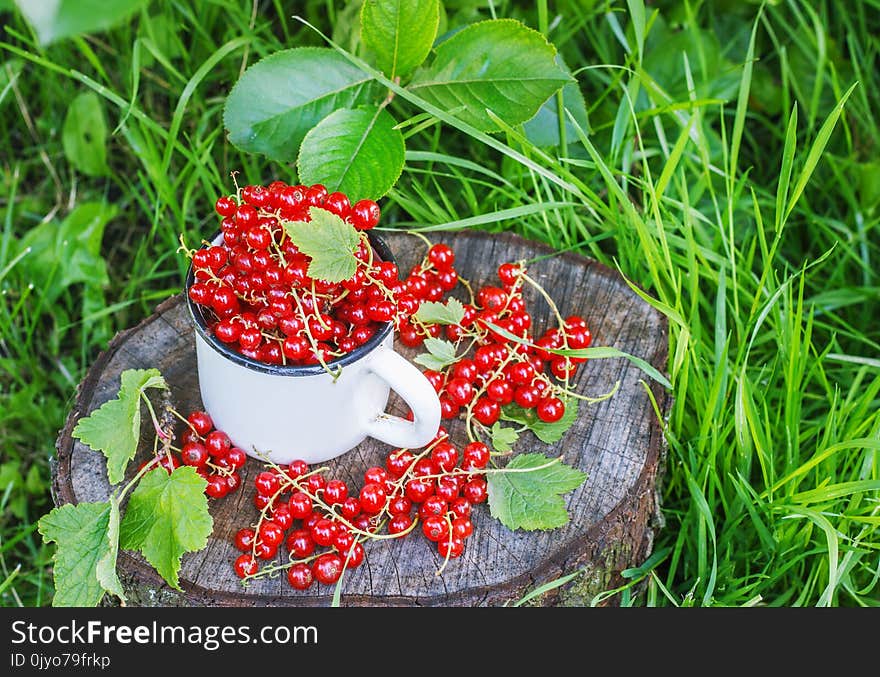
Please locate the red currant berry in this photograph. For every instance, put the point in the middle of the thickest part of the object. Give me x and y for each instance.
(417, 490)
(335, 492)
(460, 391)
(372, 498)
(300, 576)
(476, 491)
(267, 483)
(216, 487)
(441, 256)
(433, 505)
(201, 422)
(300, 505)
(399, 523)
(300, 543)
(351, 507)
(225, 206)
(364, 214)
(271, 533)
(323, 532)
(509, 273)
(399, 461)
(451, 547)
(236, 458)
(245, 565)
(486, 411)
(194, 454)
(460, 507)
(375, 475)
(282, 516)
(217, 443)
(462, 527)
(444, 456)
(478, 453)
(550, 409)
(327, 568)
(244, 539)
(435, 527)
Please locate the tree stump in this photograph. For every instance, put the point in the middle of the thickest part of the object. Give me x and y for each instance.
(617, 442)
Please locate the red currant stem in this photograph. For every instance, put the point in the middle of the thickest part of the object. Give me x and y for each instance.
(590, 400)
(233, 175)
(556, 312)
(183, 418)
(183, 248)
(274, 571)
(161, 433)
(486, 382)
(449, 549)
(141, 471)
(317, 306)
(420, 236)
(312, 341)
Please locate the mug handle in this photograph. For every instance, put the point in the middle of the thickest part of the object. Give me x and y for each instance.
(408, 382)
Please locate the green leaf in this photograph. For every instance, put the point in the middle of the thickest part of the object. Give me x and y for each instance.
(329, 241)
(56, 19)
(499, 64)
(399, 32)
(114, 428)
(530, 497)
(543, 129)
(548, 433)
(84, 135)
(85, 557)
(503, 439)
(357, 152)
(57, 255)
(283, 96)
(433, 312)
(167, 516)
(439, 356)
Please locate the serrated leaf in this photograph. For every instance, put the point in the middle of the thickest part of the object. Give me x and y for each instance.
(84, 135)
(439, 356)
(546, 432)
(329, 242)
(56, 19)
(105, 570)
(433, 312)
(530, 497)
(85, 555)
(167, 516)
(499, 64)
(114, 428)
(399, 32)
(543, 129)
(503, 439)
(280, 98)
(357, 152)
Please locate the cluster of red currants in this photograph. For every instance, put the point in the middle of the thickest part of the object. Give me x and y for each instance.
(256, 291)
(209, 451)
(322, 523)
(503, 363)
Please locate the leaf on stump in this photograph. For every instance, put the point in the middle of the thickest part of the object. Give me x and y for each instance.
(114, 428)
(167, 516)
(527, 493)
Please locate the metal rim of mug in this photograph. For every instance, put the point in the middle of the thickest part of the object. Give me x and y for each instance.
(201, 326)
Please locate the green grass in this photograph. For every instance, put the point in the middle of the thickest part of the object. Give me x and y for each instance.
(729, 169)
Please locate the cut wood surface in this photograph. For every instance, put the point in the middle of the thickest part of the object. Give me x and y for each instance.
(617, 442)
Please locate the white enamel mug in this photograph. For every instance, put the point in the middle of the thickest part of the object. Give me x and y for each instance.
(282, 413)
